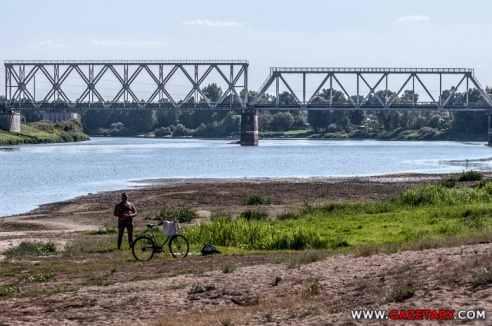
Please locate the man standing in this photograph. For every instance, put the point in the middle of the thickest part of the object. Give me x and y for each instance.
(125, 211)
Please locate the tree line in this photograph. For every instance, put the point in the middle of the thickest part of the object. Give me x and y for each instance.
(327, 123)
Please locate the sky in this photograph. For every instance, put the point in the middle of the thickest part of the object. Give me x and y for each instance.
(267, 33)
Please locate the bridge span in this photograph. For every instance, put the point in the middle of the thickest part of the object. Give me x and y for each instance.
(170, 85)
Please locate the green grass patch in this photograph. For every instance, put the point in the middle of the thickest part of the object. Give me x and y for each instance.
(30, 249)
(6, 290)
(36, 278)
(201, 288)
(45, 132)
(415, 216)
(253, 234)
(103, 231)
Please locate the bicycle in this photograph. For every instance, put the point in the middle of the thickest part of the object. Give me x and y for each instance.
(145, 246)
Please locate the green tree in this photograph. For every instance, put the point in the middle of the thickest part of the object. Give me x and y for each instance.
(264, 120)
(286, 98)
(318, 120)
(408, 96)
(213, 92)
(141, 120)
(166, 118)
(282, 121)
(357, 117)
(231, 123)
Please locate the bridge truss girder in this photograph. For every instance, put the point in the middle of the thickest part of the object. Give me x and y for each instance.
(330, 79)
(20, 84)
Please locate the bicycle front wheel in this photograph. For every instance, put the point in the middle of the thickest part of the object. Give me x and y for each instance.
(143, 248)
(178, 246)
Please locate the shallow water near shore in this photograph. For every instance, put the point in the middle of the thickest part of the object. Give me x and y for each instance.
(38, 174)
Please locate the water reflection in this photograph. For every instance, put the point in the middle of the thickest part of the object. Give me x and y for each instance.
(9, 149)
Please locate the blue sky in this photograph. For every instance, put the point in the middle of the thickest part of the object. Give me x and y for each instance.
(309, 33)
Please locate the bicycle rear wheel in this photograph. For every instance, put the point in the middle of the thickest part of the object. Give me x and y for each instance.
(178, 246)
(143, 248)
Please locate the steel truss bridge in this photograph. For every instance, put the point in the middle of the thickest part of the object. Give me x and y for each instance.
(161, 84)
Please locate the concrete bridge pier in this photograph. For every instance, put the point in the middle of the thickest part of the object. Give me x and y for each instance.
(10, 121)
(249, 128)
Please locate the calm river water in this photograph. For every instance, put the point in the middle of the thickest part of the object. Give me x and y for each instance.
(37, 174)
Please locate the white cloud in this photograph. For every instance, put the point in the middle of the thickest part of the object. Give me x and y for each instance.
(48, 45)
(133, 44)
(212, 23)
(413, 18)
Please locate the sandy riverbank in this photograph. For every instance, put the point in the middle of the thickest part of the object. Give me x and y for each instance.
(260, 289)
(207, 196)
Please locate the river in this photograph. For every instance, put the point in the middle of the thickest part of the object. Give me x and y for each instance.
(32, 175)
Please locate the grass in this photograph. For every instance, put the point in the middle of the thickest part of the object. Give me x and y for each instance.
(30, 249)
(256, 215)
(44, 132)
(400, 294)
(253, 234)
(103, 231)
(415, 216)
(228, 268)
(201, 288)
(484, 279)
(305, 257)
(5, 290)
(256, 200)
(35, 278)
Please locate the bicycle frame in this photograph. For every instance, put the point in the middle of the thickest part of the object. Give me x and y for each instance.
(158, 247)
(145, 246)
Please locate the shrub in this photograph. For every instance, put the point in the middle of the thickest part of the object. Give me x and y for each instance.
(181, 213)
(425, 195)
(164, 131)
(449, 182)
(181, 130)
(470, 176)
(256, 200)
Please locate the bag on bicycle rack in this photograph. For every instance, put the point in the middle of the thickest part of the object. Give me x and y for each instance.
(171, 228)
(208, 249)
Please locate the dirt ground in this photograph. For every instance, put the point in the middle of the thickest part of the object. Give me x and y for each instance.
(302, 288)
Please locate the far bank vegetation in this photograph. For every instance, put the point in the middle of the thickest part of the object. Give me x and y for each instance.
(328, 124)
(45, 132)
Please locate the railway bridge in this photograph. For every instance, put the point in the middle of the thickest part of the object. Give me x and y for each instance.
(171, 85)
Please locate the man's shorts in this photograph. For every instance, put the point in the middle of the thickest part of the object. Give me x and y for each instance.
(125, 224)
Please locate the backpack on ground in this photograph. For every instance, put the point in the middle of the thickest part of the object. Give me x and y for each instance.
(208, 249)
